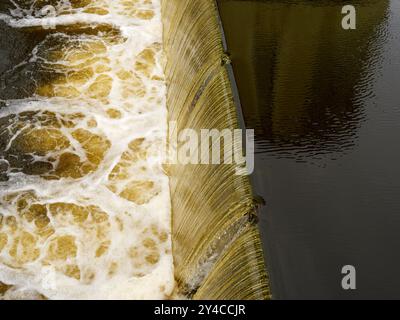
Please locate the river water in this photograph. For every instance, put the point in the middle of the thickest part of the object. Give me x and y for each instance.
(325, 105)
(84, 200)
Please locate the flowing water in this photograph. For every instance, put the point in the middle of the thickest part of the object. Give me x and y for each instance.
(85, 203)
(85, 200)
(325, 106)
(216, 244)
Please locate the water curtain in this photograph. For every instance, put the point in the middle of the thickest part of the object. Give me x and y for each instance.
(216, 244)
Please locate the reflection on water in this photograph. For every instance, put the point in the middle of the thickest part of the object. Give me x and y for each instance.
(308, 78)
(325, 107)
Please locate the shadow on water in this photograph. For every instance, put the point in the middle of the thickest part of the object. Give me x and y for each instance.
(16, 74)
(325, 108)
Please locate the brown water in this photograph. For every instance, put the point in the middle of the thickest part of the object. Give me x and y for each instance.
(84, 202)
(84, 199)
(325, 104)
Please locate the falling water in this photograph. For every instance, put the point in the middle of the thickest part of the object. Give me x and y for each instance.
(216, 245)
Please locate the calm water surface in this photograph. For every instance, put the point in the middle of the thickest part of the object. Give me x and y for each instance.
(325, 104)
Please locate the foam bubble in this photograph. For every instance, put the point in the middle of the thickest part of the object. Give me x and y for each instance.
(85, 204)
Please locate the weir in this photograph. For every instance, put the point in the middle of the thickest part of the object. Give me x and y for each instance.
(86, 200)
(216, 245)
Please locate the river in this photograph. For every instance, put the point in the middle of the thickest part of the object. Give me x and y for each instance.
(325, 106)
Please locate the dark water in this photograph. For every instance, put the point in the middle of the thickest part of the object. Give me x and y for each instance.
(325, 104)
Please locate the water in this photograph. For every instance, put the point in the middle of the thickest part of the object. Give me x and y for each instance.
(85, 202)
(216, 245)
(325, 105)
(85, 207)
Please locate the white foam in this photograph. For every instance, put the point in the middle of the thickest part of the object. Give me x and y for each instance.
(143, 271)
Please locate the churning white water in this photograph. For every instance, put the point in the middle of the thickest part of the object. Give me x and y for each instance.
(85, 203)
